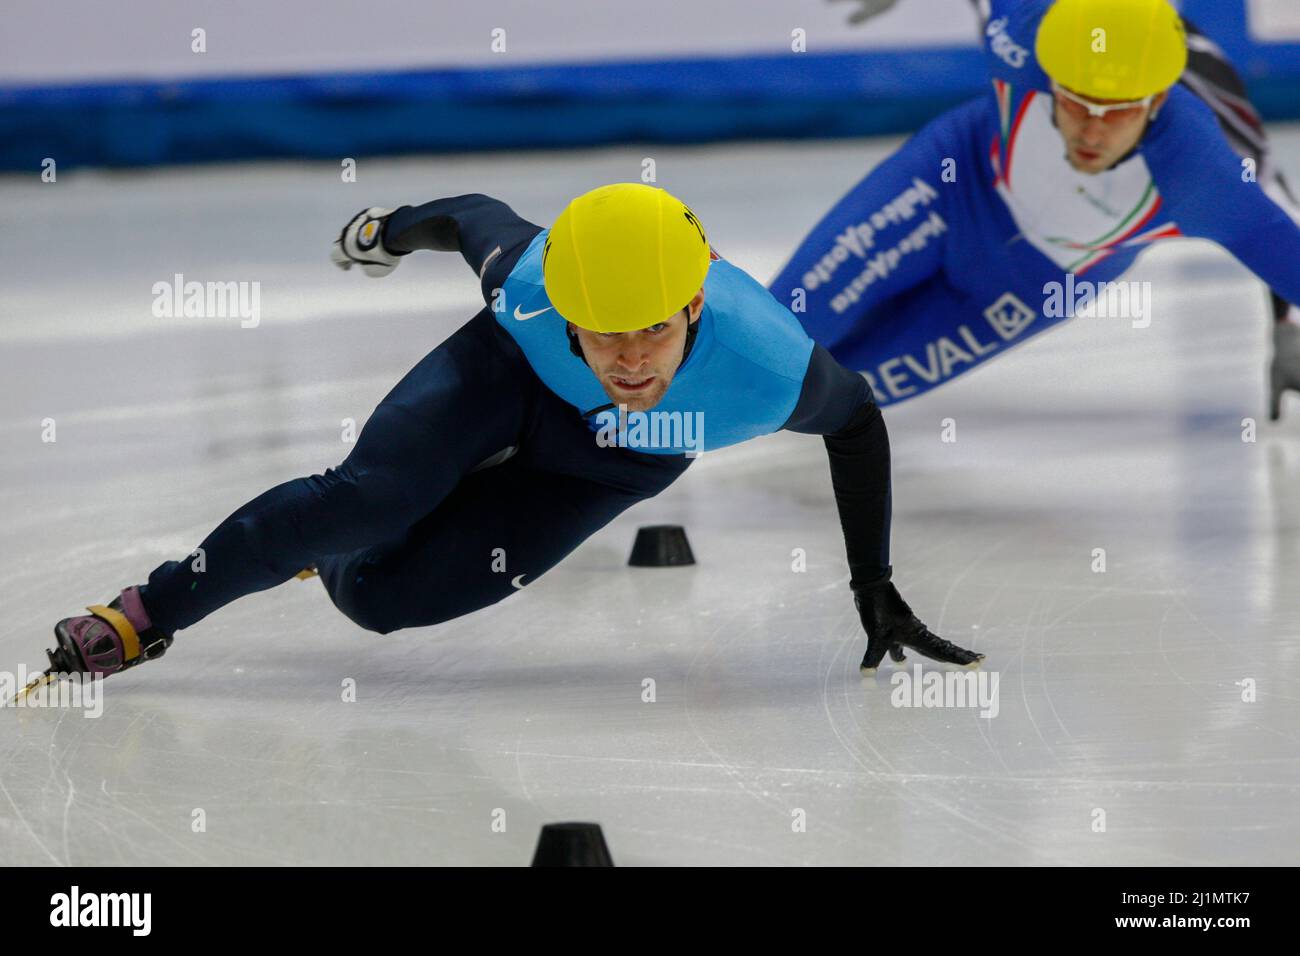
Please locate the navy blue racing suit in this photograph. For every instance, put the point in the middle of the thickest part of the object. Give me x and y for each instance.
(474, 477)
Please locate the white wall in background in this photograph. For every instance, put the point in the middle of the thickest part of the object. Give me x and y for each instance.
(58, 41)
(1274, 19)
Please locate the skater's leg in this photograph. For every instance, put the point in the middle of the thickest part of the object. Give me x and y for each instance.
(884, 237)
(500, 529)
(465, 401)
(934, 333)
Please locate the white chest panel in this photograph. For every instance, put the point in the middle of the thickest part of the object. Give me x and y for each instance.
(1069, 216)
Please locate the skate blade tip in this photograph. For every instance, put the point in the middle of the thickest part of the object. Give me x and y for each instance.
(31, 686)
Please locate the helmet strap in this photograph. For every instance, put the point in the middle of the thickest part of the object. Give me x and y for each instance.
(692, 329)
(575, 346)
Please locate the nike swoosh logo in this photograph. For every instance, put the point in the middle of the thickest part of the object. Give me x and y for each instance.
(525, 316)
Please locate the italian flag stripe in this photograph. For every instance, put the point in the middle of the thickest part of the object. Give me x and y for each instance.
(1147, 205)
(1004, 106)
(1015, 129)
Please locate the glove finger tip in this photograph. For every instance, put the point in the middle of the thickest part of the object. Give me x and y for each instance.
(871, 663)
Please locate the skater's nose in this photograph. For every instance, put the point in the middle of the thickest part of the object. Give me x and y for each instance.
(633, 356)
(1094, 132)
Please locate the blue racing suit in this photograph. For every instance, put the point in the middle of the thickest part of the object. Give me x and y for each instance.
(978, 234)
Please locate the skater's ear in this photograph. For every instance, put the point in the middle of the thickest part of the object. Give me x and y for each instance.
(1157, 103)
(695, 306)
(574, 345)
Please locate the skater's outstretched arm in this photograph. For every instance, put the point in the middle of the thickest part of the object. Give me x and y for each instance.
(1217, 196)
(837, 404)
(488, 233)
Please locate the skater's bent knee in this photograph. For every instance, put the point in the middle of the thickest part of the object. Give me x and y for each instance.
(369, 620)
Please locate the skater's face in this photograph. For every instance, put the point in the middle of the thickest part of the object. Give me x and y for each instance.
(1094, 144)
(636, 368)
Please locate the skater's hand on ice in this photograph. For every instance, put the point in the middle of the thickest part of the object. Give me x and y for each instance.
(360, 244)
(891, 626)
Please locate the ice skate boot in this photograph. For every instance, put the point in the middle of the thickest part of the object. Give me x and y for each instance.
(109, 639)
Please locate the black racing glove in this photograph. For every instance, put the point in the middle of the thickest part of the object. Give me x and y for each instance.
(891, 626)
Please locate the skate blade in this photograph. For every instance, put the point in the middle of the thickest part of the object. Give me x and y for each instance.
(32, 685)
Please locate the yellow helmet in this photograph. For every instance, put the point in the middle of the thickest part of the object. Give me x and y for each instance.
(624, 257)
(1112, 49)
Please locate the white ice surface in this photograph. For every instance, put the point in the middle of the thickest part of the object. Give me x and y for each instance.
(1119, 690)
